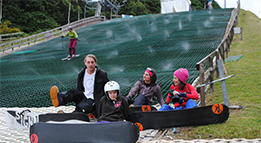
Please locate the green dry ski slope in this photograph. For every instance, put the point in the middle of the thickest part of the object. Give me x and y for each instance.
(124, 47)
(243, 89)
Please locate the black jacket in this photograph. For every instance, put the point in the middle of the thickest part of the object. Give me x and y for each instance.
(100, 80)
(113, 110)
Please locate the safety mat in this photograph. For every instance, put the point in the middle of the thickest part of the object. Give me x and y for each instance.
(233, 58)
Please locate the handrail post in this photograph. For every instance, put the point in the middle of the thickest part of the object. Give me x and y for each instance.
(201, 81)
(211, 76)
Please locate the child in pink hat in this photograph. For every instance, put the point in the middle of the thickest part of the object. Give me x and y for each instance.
(181, 93)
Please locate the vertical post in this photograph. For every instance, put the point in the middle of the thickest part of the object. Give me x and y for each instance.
(223, 82)
(84, 12)
(201, 81)
(217, 57)
(69, 12)
(211, 76)
(241, 31)
(111, 13)
(1, 13)
(98, 9)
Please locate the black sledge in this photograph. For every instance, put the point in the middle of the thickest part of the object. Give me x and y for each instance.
(59, 117)
(217, 113)
(120, 132)
(143, 108)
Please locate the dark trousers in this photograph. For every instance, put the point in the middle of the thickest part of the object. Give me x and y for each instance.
(82, 103)
(141, 100)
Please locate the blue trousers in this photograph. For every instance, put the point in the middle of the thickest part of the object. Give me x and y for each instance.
(190, 104)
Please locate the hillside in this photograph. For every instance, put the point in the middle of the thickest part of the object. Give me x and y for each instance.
(243, 89)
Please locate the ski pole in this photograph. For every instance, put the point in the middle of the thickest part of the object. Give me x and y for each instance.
(62, 42)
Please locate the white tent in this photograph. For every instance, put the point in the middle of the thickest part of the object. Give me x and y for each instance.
(168, 6)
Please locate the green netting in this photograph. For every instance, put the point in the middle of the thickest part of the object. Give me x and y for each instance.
(124, 48)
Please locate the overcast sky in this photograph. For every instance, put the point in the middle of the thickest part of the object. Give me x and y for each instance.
(251, 5)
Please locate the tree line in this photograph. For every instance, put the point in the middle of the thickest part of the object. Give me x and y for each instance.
(34, 16)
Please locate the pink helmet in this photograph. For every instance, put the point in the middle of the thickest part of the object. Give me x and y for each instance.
(182, 74)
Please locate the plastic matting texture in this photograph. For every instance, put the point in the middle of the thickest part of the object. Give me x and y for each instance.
(124, 48)
(233, 58)
(8, 135)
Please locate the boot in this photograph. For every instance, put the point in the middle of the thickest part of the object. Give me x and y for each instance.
(55, 96)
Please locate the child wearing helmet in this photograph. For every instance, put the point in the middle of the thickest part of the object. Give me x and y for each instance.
(181, 93)
(113, 107)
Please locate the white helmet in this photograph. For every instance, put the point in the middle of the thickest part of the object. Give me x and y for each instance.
(111, 85)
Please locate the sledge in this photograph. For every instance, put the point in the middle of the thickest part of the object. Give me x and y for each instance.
(197, 116)
(63, 59)
(141, 108)
(26, 118)
(120, 132)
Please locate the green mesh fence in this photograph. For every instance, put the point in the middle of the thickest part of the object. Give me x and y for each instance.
(124, 48)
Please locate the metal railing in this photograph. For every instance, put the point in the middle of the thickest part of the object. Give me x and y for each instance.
(220, 53)
(50, 34)
(11, 34)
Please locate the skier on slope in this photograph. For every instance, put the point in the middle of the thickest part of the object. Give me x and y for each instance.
(181, 93)
(72, 43)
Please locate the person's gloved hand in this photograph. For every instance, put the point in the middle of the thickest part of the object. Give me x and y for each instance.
(182, 94)
(77, 39)
(129, 100)
(62, 36)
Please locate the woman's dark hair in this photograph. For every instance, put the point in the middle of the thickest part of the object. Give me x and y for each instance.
(182, 85)
(154, 76)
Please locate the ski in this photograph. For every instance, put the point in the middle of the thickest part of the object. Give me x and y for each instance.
(213, 114)
(26, 118)
(73, 57)
(120, 132)
(63, 59)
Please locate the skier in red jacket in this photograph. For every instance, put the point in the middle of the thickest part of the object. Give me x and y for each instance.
(181, 93)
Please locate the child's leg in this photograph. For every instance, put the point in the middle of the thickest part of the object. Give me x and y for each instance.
(141, 100)
(190, 104)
